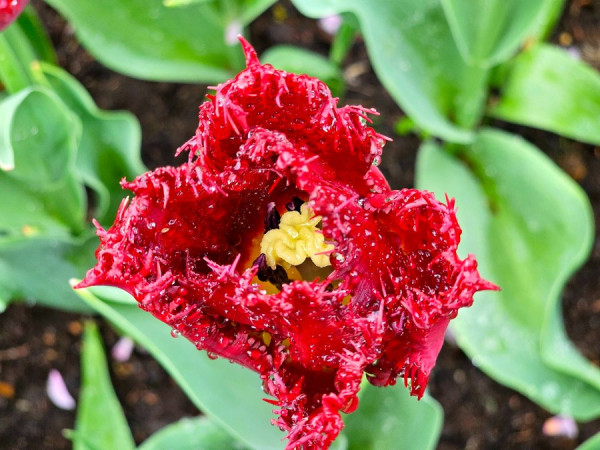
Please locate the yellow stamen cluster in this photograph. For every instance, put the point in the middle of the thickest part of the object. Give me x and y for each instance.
(296, 239)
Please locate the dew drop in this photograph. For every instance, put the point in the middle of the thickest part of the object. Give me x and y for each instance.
(175, 333)
(376, 161)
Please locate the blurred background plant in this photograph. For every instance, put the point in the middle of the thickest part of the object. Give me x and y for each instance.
(462, 73)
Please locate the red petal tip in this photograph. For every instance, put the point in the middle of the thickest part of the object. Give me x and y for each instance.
(249, 52)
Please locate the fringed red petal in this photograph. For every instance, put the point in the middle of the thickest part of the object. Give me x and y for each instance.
(185, 245)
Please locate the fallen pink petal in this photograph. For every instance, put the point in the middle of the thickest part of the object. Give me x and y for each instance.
(122, 349)
(560, 426)
(57, 391)
(331, 24)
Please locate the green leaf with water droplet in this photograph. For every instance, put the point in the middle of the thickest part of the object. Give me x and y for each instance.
(530, 227)
(43, 239)
(110, 143)
(547, 88)
(38, 145)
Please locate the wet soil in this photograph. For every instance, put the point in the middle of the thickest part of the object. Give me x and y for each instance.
(479, 413)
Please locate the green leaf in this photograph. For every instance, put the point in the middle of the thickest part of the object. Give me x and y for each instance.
(530, 227)
(39, 136)
(24, 213)
(592, 443)
(548, 89)
(344, 39)
(16, 55)
(37, 269)
(389, 418)
(244, 11)
(100, 420)
(38, 144)
(147, 40)
(191, 434)
(414, 55)
(227, 393)
(491, 31)
(301, 61)
(110, 143)
(547, 19)
(36, 34)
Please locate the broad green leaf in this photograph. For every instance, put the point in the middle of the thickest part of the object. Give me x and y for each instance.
(191, 434)
(147, 40)
(100, 420)
(38, 144)
(301, 61)
(229, 394)
(389, 418)
(530, 227)
(38, 135)
(491, 31)
(592, 443)
(36, 269)
(110, 143)
(414, 55)
(548, 89)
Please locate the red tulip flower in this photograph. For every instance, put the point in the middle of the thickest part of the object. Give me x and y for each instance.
(10, 10)
(280, 246)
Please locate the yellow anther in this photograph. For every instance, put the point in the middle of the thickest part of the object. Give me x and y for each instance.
(266, 337)
(296, 239)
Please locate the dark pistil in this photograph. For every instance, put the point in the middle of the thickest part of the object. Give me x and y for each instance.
(277, 277)
(272, 219)
(295, 204)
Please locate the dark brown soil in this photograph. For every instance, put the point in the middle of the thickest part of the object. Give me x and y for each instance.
(480, 414)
